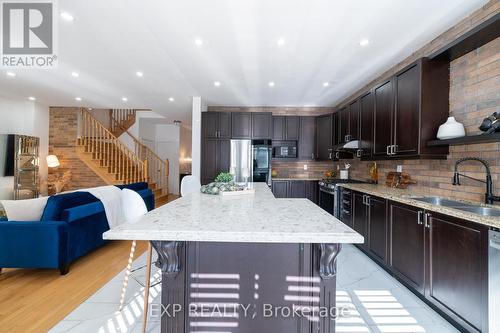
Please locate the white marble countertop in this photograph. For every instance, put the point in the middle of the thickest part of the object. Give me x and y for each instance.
(259, 218)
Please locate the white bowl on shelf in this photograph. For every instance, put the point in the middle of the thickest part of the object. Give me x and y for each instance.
(451, 129)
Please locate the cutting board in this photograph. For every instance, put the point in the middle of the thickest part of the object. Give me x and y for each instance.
(399, 180)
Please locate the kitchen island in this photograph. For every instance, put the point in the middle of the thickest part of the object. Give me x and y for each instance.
(244, 263)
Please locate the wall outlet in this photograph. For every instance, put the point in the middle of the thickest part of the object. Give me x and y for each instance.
(305, 166)
(399, 168)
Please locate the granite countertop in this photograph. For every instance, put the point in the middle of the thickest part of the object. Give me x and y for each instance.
(259, 218)
(298, 178)
(407, 197)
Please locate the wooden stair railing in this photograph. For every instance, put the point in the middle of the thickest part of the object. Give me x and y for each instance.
(158, 169)
(123, 120)
(121, 164)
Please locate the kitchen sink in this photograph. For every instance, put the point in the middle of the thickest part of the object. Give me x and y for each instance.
(440, 201)
(485, 211)
(475, 209)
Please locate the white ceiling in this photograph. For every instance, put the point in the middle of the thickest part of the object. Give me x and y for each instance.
(109, 41)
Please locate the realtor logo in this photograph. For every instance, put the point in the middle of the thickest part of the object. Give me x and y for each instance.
(28, 34)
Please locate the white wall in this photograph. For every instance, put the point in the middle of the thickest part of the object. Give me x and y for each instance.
(167, 146)
(27, 118)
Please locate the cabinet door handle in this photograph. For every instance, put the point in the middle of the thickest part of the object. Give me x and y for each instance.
(387, 150)
(394, 149)
(330, 156)
(419, 218)
(359, 152)
(368, 200)
(364, 199)
(337, 155)
(427, 220)
(312, 156)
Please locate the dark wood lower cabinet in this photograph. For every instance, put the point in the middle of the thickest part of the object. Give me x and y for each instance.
(458, 270)
(407, 244)
(360, 216)
(377, 228)
(307, 189)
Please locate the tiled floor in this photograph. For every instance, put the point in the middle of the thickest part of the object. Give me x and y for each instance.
(380, 304)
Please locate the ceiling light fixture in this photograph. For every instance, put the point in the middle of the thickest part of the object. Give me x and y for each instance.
(75, 74)
(198, 41)
(78, 99)
(67, 16)
(280, 41)
(11, 74)
(217, 83)
(271, 84)
(364, 42)
(171, 99)
(124, 99)
(326, 84)
(31, 98)
(139, 74)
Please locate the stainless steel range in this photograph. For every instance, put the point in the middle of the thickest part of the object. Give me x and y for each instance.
(329, 194)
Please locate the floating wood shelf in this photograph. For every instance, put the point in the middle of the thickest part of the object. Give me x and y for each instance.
(477, 37)
(466, 140)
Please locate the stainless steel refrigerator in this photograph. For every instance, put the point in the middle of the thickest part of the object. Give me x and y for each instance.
(251, 161)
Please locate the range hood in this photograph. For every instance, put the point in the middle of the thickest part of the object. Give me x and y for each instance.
(349, 146)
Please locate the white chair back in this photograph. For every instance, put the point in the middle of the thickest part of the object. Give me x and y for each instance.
(190, 184)
(133, 206)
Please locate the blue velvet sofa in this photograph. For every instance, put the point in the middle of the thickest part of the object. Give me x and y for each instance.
(71, 226)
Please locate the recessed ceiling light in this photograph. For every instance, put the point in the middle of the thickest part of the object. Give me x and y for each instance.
(75, 74)
(124, 99)
(217, 83)
(78, 99)
(364, 42)
(280, 41)
(326, 84)
(11, 74)
(198, 41)
(67, 16)
(271, 84)
(31, 98)
(139, 74)
(171, 99)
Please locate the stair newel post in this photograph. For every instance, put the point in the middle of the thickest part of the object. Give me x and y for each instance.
(145, 171)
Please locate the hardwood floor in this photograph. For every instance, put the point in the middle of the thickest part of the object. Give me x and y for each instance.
(34, 300)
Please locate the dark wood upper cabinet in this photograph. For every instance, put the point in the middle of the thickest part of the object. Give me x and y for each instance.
(261, 125)
(377, 228)
(224, 125)
(216, 125)
(241, 125)
(343, 125)
(366, 125)
(407, 111)
(384, 105)
(353, 132)
(307, 138)
(458, 270)
(324, 137)
(279, 126)
(292, 127)
(297, 189)
(286, 128)
(407, 244)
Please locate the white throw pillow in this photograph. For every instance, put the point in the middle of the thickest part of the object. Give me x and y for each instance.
(24, 210)
(133, 205)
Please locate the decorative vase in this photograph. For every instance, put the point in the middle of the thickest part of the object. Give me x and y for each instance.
(451, 129)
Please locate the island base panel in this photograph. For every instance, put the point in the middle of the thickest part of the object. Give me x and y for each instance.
(247, 287)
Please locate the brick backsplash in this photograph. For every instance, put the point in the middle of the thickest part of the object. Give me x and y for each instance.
(63, 130)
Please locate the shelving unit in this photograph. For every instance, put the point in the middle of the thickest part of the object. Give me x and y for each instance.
(466, 140)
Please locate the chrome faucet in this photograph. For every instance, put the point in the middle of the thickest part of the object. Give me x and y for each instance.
(489, 197)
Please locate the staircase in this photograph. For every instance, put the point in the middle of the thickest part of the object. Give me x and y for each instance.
(116, 163)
